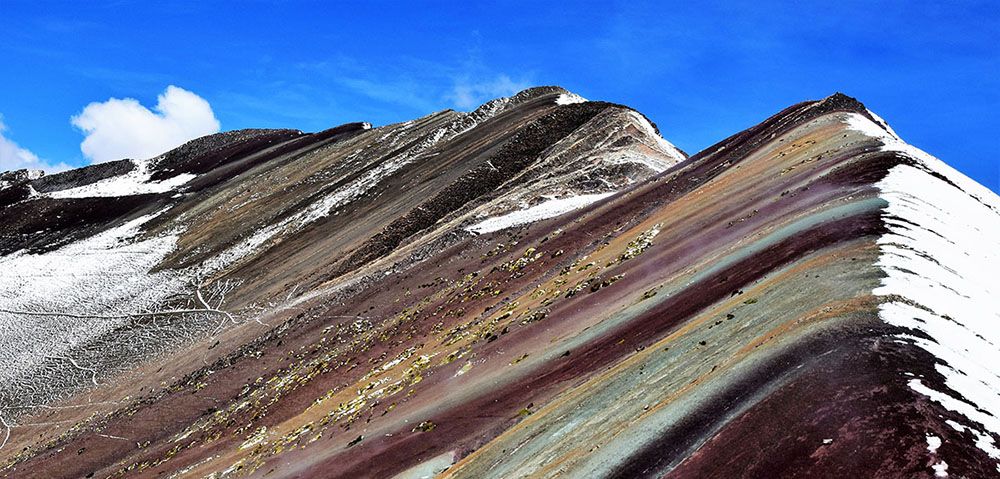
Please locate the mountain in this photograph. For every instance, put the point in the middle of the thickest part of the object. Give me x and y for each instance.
(541, 287)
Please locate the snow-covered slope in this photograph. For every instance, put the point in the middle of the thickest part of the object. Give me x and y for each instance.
(941, 257)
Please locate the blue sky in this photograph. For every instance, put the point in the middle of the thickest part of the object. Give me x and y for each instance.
(700, 72)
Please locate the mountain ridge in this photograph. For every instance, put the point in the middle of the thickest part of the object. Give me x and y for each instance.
(424, 297)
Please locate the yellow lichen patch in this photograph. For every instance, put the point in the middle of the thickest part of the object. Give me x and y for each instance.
(255, 438)
(464, 369)
(425, 426)
(455, 355)
(533, 316)
(519, 359)
(639, 244)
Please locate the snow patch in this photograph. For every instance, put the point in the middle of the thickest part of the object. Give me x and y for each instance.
(353, 190)
(862, 124)
(239, 251)
(548, 209)
(940, 469)
(933, 443)
(569, 99)
(135, 182)
(665, 146)
(627, 157)
(943, 255)
(883, 124)
(983, 441)
(106, 274)
(891, 142)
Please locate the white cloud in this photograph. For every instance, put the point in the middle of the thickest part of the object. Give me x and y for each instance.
(123, 128)
(469, 94)
(13, 157)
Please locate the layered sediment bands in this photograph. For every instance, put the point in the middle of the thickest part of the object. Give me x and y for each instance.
(235, 160)
(497, 168)
(724, 315)
(209, 152)
(48, 223)
(82, 176)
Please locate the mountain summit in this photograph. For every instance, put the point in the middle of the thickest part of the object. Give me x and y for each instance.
(542, 287)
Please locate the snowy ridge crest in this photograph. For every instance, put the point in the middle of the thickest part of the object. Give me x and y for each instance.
(942, 252)
(135, 182)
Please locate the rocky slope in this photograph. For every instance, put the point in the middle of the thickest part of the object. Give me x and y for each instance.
(542, 287)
